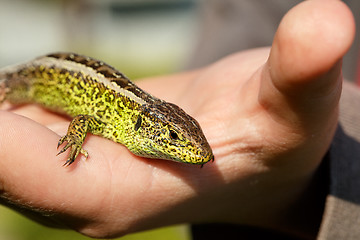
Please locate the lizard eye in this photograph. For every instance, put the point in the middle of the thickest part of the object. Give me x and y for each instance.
(173, 135)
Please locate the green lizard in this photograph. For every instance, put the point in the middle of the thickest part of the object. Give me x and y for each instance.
(104, 102)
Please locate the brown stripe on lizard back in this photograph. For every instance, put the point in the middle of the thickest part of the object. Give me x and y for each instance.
(108, 72)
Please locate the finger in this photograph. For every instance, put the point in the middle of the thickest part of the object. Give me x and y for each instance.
(302, 78)
(38, 114)
(29, 168)
(32, 177)
(25, 149)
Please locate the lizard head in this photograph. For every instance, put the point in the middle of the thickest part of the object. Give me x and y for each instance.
(165, 131)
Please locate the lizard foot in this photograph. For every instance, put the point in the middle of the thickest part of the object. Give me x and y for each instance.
(75, 148)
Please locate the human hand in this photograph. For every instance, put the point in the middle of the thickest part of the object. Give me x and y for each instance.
(269, 122)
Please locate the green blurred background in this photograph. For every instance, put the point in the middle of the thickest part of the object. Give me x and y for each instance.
(139, 37)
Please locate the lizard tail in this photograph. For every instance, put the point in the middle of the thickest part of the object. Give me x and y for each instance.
(3, 86)
(8, 77)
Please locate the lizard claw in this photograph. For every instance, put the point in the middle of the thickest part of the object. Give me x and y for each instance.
(74, 150)
(61, 141)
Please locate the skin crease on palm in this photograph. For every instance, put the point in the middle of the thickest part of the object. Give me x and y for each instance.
(269, 118)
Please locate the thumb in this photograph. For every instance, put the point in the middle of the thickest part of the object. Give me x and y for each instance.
(302, 80)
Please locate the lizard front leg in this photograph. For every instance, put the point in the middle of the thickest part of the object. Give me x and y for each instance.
(78, 128)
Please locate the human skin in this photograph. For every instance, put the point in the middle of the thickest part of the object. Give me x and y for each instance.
(269, 119)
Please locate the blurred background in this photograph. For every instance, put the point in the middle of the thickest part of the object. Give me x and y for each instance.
(138, 37)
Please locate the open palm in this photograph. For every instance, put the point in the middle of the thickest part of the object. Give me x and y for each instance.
(269, 120)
